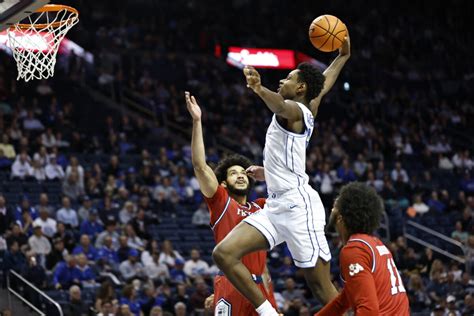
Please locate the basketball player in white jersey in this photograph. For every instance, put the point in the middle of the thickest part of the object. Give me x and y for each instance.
(293, 212)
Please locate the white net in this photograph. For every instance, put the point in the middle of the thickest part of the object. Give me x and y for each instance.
(35, 42)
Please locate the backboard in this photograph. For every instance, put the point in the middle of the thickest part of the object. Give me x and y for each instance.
(12, 11)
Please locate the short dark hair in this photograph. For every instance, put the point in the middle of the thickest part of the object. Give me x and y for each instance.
(229, 161)
(361, 208)
(313, 78)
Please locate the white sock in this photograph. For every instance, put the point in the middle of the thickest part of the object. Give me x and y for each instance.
(266, 309)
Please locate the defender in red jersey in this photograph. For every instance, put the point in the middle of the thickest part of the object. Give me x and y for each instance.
(225, 192)
(372, 284)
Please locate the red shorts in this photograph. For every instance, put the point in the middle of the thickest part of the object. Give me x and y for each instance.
(229, 302)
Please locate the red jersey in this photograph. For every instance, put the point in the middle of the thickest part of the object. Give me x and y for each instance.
(226, 213)
(373, 285)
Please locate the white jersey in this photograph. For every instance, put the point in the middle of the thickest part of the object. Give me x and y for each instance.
(284, 155)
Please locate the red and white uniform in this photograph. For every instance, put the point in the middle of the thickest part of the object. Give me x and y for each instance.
(226, 213)
(373, 285)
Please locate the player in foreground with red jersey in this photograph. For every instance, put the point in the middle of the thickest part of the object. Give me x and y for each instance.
(373, 285)
(225, 192)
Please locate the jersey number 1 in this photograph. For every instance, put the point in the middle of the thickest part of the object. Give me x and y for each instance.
(395, 277)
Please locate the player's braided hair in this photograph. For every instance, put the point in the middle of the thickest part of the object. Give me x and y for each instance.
(229, 161)
(360, 207)
(313, 78)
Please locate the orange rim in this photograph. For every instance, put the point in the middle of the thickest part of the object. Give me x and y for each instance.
(50, 8)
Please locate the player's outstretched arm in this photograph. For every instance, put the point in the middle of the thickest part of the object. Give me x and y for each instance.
(287, 109)
(333, 71)
(204, 174)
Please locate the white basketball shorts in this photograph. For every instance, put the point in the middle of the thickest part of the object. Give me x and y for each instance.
(296, 217)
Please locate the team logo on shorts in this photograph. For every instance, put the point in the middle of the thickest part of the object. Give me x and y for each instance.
(355, 268)
(223, 308)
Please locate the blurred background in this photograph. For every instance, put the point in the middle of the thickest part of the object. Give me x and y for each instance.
(98, 157)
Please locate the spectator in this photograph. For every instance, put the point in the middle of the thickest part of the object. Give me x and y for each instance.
(326, 180)
(54, 171)
(41, 156)
(17, 235)
(459, 234)
(86, 248)
(40, 244)
(6, 216)
(56, 255)
(131, 268)
(34, 272)
(149, 298)
(451, 306)
(91, 226)
(127, 212)
(44, 203)
(399, 173)
(345, 173)
(37, 171)
(5, 163)
(71, 187)
(76, 306)
(418, 207)
(48, 139)
(435, 204)
(26, 222)
(156, 270)
(25, 206)
(416, 292)
(195, 267)
(109, 211)
(201, 216)
(110, 231)
(66, 273)
(468, 305)
(181, 294)
(461, 160)
(444, 163)
(105, 293)
(74, 166)
(180, 309)
(291, 292)
(47, 224)
(87, 275)
(199, 296)
(66, 214)
(107, 254)
(360, 166)
(141, 223)
(21, 168)
(168, 255)
(287, 269)
(123, 249)
(129, 298)
(7, 148)
(14, 259)
(437, 288)
(177, 273)
(85, 208)
(156, 311)
(31, 123)
(133, 240)
(66, 235)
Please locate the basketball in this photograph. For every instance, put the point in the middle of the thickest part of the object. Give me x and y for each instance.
(327, 33)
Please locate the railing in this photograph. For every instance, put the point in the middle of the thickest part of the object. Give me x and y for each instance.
(433, 247)
(31, 286)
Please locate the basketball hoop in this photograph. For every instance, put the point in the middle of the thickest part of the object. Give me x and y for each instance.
(36, 43)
